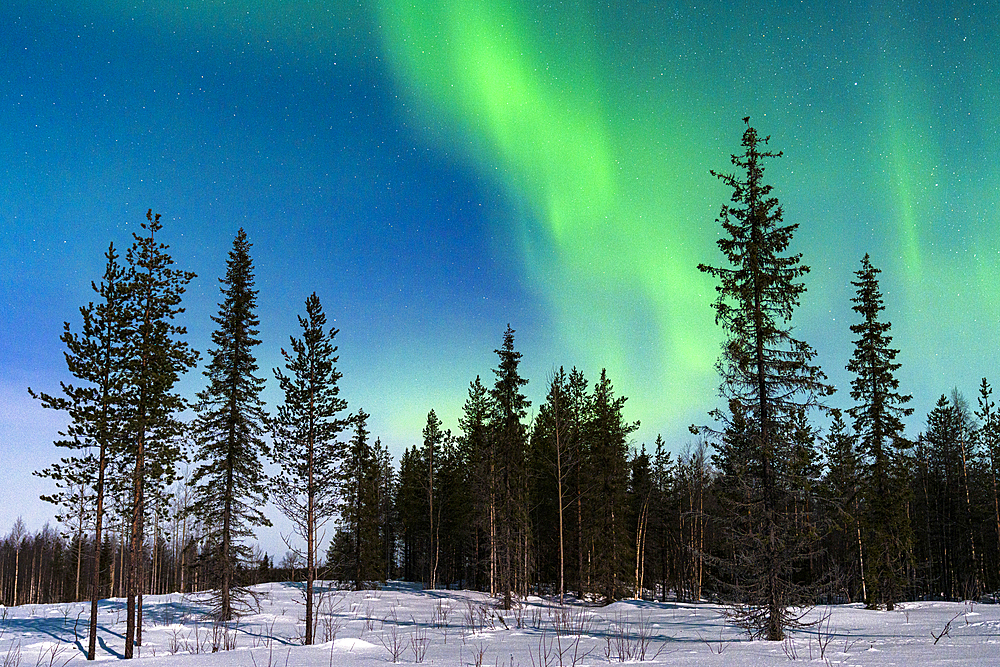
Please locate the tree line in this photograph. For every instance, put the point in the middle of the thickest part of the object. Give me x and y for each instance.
(780, 501)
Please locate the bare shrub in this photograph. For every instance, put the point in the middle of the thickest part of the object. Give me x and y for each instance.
(622, 644)
(329, 616)
(53, 655)
(418, 643)
(392, 639)
(13, 656)
(223, 639)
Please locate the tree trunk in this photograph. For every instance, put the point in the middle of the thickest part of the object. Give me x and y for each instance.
(225, 611)
(17, 569)
(135, 546)
(973, 590)
(310, 538)
(559, 478)
(95, 580)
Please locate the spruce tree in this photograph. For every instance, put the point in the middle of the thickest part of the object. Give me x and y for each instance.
(96, 356)
(841, 487)
(550, 462)
(509, 434)
(229, 483)
(361, 481)
(434, 439)
(306, 432)
(767, 377)
(577, 410)
(608, 432)
(988, 436)
(476, 446)
(939, 451)
(878, 422)
(156, 357)
(411, 508)
(640, 496)
(454, 510)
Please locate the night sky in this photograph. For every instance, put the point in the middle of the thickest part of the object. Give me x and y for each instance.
(436, 170)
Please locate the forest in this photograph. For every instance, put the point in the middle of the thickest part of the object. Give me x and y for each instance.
(779, 502)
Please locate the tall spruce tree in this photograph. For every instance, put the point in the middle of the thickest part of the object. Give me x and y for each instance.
(878, 423)
(768, 376)
(550, 462)
(386, 512)
(156, 357)
(306, 432)
(988, 436)
(96, 356)
(434, 439)
(949, 565)
(577, 412)
(509, 434)
(229, 483)
(608, 432)
(476, 446)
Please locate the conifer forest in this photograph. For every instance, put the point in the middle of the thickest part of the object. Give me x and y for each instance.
(788, 494)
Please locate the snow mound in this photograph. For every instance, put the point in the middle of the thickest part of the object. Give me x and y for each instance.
(352, 644)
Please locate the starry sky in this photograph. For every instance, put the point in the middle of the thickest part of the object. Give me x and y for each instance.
(437, 170)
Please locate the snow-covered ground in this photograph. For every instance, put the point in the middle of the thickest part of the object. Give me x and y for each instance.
(409, 625)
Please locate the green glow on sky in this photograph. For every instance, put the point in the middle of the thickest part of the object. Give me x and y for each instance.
(613, 245)
(912, 158)
(599, 123)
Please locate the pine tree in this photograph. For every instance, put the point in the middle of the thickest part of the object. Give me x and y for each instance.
(95, 356)
(305, 436)
(878, 415)
(946, 560)
(640, 496)
(230, 483)
(577, 414)
(361, 481)
(841, 486)
(156, 357)
(509, 433)
(386, 514)
(476, 446)
(550, 462)
(434, 439)
(967, 448)
(411, 507)
(608, 432)
(454, 509)
(659, 525)
(767, 376)
(988, 436)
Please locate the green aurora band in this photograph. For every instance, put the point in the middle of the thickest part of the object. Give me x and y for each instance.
(600, 123)
(603, 207)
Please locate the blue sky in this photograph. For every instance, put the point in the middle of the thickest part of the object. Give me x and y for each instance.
(435, 172)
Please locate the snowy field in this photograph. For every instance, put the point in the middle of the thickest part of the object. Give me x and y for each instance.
(404, 624)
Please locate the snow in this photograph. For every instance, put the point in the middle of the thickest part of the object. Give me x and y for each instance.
(464, 628)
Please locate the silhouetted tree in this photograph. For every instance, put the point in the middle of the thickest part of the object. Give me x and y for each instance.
(229, 483)
(878, 414)
(306, 432)
(509, 434)
(156, 357)
(767, 377)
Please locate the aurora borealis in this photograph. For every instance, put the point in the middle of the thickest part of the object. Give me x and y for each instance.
(436, 170)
